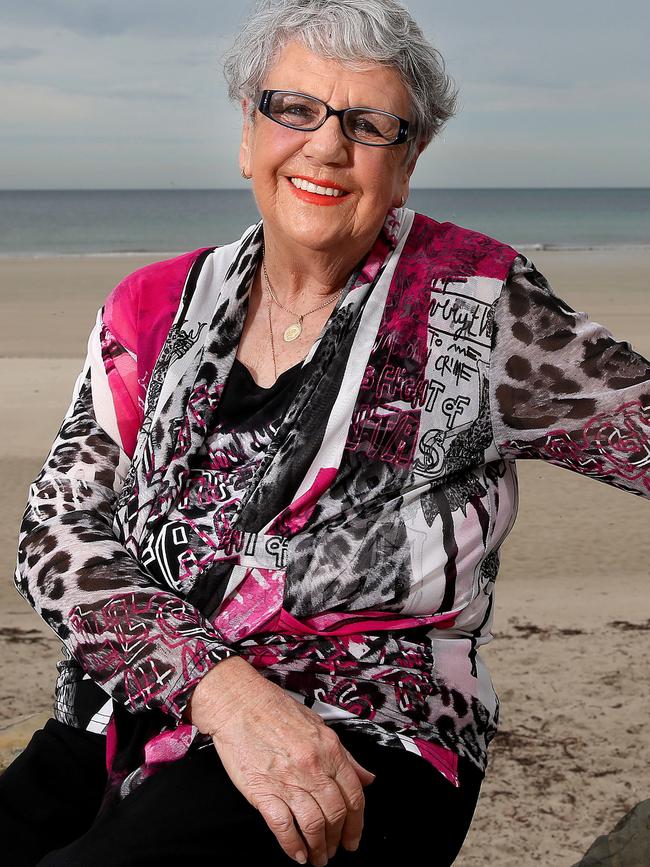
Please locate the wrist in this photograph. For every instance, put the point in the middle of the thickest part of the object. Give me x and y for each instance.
(215, 695)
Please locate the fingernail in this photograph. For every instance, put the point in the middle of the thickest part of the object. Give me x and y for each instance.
(301, 858)
(331, 852)
(354, 846)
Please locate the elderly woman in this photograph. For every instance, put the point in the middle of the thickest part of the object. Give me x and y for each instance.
(268, 531)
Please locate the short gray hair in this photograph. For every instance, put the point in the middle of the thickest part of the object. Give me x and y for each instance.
(349, 32)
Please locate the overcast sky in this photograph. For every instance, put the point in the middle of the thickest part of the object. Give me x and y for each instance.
(130, 94)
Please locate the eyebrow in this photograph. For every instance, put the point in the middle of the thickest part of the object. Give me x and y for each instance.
(355, 105)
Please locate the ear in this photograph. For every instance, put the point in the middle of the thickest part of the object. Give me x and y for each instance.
(410, 166)
(245, 148)
(408, 171)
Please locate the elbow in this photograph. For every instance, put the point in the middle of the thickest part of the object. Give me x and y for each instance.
(20, 580)
(51, 616)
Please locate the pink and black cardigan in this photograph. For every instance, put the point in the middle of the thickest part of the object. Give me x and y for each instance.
(356, 569)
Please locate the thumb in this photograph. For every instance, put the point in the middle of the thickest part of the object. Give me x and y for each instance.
(365, 776)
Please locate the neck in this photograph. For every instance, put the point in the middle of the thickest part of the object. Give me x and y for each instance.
(303, 279)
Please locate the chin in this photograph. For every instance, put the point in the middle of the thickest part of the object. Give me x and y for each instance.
(315, 233)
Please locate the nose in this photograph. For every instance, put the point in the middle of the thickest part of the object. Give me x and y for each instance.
(327, 143)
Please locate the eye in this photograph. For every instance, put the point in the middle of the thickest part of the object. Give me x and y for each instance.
(295, 110)
(374, 127)
(299, 109)
(363, 125)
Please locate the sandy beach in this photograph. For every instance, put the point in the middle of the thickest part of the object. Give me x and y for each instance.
(571, 655)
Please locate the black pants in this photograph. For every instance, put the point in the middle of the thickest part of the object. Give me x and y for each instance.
(191, 813)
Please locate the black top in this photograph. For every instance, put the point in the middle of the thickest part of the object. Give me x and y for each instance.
(246, 405)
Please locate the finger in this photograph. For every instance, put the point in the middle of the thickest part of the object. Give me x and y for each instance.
(278, 816)
(365, 776)
(310, 820)
(329, 797)
(355, 800)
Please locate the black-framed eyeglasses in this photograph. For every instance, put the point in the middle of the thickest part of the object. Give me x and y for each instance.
(368, 126)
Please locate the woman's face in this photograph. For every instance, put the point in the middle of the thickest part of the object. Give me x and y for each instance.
(374, 178)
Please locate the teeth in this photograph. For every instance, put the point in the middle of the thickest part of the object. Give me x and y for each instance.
(313, 188)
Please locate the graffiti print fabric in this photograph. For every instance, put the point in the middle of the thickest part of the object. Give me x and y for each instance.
(354, 563)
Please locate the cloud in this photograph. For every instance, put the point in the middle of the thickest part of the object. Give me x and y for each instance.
(140, 83)
(581, 100)
(143, 91)
(98, 18)
(18, 53)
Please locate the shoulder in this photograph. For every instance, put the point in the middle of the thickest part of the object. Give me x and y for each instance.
(149, 296)
(174, 269)
(456, 251)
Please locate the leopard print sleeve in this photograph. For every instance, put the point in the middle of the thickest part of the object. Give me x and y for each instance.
(564, 390)
(146, 647)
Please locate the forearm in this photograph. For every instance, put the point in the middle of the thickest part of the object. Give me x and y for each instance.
(563, 389)
(145, 646)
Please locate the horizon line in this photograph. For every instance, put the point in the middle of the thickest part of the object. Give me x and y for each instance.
(174, 189)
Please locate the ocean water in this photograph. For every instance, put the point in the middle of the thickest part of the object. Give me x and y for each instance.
(34, 223)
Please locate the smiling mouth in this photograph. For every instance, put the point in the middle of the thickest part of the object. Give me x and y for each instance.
(309, 187)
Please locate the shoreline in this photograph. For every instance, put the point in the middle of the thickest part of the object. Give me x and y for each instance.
(31, 255)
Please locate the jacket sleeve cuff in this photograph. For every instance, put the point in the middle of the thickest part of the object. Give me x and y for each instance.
(194, 670)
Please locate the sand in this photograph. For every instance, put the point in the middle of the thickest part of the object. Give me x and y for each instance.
(571, 655)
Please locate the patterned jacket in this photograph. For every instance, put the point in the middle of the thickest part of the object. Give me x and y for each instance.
(357, 570)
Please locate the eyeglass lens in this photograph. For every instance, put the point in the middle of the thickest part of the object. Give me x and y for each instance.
(306, 112)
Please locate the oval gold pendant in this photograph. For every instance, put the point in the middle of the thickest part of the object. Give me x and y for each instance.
(292, 332)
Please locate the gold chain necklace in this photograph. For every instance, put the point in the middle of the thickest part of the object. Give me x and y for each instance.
(275, 368)
(294, 330)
